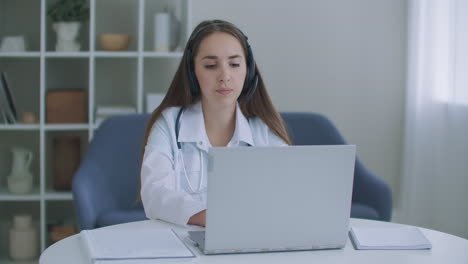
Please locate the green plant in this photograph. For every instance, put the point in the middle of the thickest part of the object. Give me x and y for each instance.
(68, 11)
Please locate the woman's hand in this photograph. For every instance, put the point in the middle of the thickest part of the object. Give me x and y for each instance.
(198, 219)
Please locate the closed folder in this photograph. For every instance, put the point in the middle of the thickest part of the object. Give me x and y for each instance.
(115, 245)
(404, 237)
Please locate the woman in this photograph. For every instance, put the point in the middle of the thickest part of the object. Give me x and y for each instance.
(217, 98)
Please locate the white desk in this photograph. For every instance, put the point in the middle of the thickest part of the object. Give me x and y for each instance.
(445, 249)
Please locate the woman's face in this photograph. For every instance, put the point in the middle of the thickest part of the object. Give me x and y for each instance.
(220, 68)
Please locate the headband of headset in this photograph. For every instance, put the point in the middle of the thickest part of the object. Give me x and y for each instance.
(251, 78)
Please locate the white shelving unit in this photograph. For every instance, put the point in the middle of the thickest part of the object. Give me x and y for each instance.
(107, 77)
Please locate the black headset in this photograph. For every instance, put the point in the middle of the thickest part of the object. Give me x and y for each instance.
(251, 78)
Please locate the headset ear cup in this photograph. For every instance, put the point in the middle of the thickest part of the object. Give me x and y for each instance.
(251, 78)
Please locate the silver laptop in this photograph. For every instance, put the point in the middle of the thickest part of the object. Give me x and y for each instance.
(263, 199)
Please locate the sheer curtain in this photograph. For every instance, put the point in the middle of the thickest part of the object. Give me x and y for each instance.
(435, 161)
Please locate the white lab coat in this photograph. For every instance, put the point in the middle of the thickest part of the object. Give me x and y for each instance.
(165, 193)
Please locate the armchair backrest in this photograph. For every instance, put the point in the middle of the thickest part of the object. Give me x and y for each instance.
(372, 197)
(311, 129)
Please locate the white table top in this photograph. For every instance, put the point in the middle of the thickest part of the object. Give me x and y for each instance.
(446, 248)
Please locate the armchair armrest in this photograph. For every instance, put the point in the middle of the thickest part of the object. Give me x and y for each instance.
(372, 191)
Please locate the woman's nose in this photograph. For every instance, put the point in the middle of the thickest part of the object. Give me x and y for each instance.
(224, 75)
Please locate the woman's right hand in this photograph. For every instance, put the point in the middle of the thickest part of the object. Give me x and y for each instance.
(198, 218)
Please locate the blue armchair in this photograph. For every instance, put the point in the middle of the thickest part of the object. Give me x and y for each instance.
(106, 185)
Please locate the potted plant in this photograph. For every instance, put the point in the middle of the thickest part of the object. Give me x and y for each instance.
(66, 16)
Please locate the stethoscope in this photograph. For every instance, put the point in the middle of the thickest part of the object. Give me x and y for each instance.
(181, 158)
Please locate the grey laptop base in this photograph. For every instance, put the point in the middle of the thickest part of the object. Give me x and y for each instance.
(199, 238)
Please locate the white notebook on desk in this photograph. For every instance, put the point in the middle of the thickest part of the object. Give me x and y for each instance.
(405, 237)
(119, 246)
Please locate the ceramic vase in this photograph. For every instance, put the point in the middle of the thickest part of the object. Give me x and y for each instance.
(23, 239)
(162, 32)
(20, 180)
(67, 33)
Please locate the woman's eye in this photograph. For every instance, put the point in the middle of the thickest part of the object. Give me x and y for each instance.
(210, 66)
(235, 64)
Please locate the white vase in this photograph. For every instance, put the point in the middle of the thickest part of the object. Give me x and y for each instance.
(67, 33)
(162, 33)
(20, 180)
(166, 32)
(23, 244)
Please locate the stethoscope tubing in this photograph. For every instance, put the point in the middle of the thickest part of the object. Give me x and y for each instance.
(181, 158)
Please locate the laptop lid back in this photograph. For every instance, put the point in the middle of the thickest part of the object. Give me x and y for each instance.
(278, 198)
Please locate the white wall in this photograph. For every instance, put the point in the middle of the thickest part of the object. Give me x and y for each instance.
(345, 59)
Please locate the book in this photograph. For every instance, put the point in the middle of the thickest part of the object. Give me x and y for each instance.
(104, 112)
(115, 110)
(9, 107)
(117, 245)
(405, 237)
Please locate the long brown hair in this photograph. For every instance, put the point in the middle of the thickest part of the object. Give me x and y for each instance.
(179, 93)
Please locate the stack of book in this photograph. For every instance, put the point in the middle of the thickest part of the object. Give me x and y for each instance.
(8, 113)
(103, 112)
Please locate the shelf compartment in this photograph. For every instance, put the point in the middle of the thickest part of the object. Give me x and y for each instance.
(178, 24)
(9, 210)
(22, 139)
(59, 214)
(127, 23)
(51, 36)
(66, 74)
(13, 14)
(23, 76)
(116, 74)
(64, 152)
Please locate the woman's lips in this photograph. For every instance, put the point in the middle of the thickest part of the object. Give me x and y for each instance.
(224, 91)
